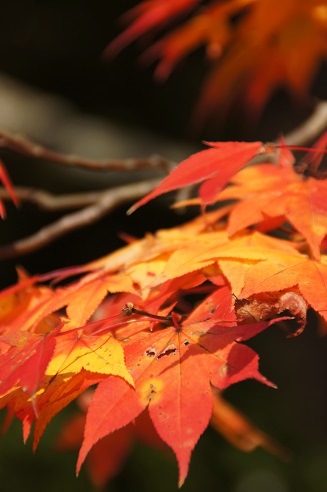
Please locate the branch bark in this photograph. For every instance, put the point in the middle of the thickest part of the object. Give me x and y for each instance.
(22, 145)
(107, 202)
(50, 202)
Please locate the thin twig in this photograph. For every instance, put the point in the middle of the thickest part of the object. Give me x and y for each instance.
(76, 220)
(22, 145)
(47, 201)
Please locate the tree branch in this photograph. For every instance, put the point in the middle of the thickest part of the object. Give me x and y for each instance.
(48, 201)
(107, 202)
(97, 204)
(22, 145)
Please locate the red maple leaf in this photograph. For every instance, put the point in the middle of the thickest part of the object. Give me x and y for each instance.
(108, 455)
(173, 368)
(148, 15)
(26, 365)
(214, 166)
(4, 178)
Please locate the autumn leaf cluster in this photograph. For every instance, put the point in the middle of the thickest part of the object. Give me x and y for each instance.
(158, 327)
(253, 46)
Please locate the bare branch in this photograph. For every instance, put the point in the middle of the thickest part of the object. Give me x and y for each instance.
(311, 128)
(110, 200)
(96, 204)
(22, 145)
(47, 201)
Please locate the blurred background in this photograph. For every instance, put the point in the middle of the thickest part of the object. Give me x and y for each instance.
(56, 88)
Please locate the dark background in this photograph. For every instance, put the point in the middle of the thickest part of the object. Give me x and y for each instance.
(56, 46)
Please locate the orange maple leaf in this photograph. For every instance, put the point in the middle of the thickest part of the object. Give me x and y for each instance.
(272, 191)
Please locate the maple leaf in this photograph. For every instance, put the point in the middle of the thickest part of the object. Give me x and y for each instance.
(152, 281)
(162, 366)
(19, 310)
(5, 180)
(26, 365)
(155, 270)
(216, 248)
(255, 264)
(128, 326)
(147, 16)
(268, 192)
(75, 351)
(284, 50)
(267, 48)
(268, 195)
(24, 353)
(283, 273)
(24, 305)
(13, 305)
(92, 289)
(215, 166)
(108, 455)
(56, 394)
(54, 369)
(267, 305)
(38, 346)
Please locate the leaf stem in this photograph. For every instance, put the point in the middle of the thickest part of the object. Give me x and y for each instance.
(129, 309)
